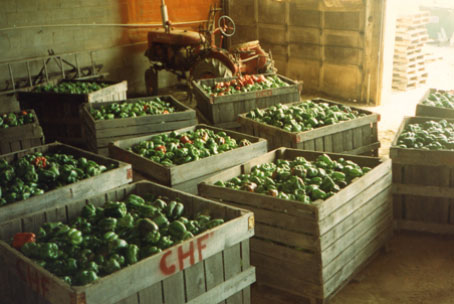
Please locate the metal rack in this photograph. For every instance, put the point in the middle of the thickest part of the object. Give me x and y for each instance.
(68, 65)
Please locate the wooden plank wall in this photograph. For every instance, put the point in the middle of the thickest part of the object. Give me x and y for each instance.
(332, 45)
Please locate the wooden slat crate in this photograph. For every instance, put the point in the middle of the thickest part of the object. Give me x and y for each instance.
(99, 133)
(423, 188)
(233, 125)
(211, 267)
(357, 136)
(313, 250)
(78, 190)
(429, 111)
(63, 195)
(187, 176)
(59, 113)
(225, 109)
(21, 137)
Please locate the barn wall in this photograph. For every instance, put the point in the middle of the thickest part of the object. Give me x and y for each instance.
(332, 45)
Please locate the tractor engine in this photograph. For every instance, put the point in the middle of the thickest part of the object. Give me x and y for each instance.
(174, 50)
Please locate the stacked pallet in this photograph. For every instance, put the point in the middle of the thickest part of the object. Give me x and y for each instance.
(409, 69)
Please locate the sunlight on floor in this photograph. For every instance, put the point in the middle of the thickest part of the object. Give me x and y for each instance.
(403, 103)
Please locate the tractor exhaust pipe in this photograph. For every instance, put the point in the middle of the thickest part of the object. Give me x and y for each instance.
(165, 16)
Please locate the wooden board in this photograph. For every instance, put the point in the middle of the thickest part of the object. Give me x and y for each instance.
(357, 136)
(162, 278)
(423, 185)
(75, 191)
(175, 175)
(21, 137)
(225, 109)
(99, 133)
(325, 242)
(429, 111)
(59, 113)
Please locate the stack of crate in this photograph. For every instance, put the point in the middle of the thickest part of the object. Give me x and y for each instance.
(409, 69)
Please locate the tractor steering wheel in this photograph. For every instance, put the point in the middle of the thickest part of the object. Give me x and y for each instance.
(226, 26)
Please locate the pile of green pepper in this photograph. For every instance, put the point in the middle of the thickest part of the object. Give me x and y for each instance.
(304, 116)
(74, 87)
(36, 173)
(132, 109)
(243, 84)
(175, 149)
(430, 135)
(8, 120)
(440, 99)
(299, 179)
(105, 239)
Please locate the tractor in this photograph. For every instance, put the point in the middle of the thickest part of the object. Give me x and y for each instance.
(193, 55)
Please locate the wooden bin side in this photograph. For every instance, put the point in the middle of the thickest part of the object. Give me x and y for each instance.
(99, 133)
(330, 239)
(178, 174)
(218, 267)
(21, 137)
(225, 109)
(59, 113)
(183, 113)
(422, 186)
(357, 137)
(429, 111)
(84, 188)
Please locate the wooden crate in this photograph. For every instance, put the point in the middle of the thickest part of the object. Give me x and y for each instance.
(429, 111)
(99, 133)
(423, 188)
(21, 137)
(233, 125)
(313, 250)
(187, 176)
(357, 136)
(59, 113)
(225, 109)
(211, 267)
(75, 191)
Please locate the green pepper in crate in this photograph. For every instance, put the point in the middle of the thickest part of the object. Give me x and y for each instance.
(115, 236)
(298, 179)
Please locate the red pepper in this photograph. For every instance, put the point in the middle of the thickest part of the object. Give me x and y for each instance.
(41, 161)
(145, 107)
(184, 139)
(161, 148)
(204, 136)
(221, 140)
(23, 237)
(165, 112)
